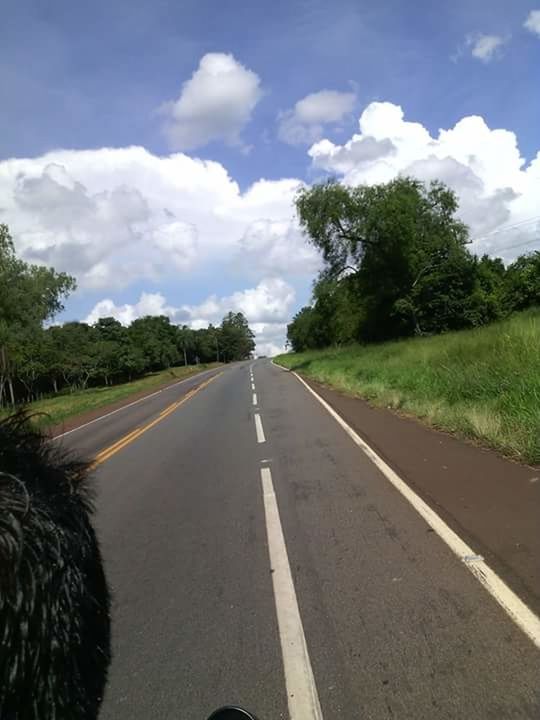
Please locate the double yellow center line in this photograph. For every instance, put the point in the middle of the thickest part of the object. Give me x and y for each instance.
(108, 452)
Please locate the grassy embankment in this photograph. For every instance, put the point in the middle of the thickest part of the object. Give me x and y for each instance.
(57, 409)
(483, 384)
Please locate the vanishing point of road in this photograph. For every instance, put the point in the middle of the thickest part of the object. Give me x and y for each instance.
(258, 556)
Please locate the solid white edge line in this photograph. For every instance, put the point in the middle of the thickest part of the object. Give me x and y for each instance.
(254, 398)
(517, 610)
(125, 407)
(302, 696)
(281, 367)
(259, 429)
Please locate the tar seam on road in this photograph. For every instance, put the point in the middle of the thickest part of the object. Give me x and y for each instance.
(125, 407)
(302, 696)
(517, 610)
(108, 452)
(259, 429)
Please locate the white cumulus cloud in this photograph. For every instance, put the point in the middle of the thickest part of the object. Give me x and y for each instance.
(215, 103)
(267, 307)
(304, 124)
(269, 302)
(116, 217)
(485, 47)
(270, 339)
(532, 23)
(273, 246)
(178, 242)
(496, 187)
(112, 217)
(148, 304)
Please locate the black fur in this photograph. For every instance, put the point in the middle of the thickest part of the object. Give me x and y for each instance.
(54, 600)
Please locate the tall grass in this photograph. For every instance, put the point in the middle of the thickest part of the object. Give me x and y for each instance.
(482, 384)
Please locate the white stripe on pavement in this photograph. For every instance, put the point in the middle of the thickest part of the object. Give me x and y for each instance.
(259, 429)
(302, 697)
(518, 611)
(255, 398)
(135, 402)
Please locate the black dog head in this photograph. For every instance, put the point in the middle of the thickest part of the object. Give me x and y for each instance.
(54, 600)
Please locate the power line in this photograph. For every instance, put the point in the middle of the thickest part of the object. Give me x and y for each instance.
(527, 242)
(518, 224)
(505, 228)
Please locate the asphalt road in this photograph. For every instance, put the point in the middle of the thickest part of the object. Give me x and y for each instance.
(195, 511)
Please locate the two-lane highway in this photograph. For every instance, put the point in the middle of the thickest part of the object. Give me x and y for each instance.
(258, 556)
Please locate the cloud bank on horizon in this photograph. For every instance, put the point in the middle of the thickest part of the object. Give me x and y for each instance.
(125, 220)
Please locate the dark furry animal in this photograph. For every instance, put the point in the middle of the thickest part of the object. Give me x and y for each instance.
(54, 600)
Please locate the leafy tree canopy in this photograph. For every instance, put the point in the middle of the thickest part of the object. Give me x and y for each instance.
(396, 262)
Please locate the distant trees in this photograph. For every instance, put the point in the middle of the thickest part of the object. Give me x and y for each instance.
(397, 263)
(237, 340)
(37, 360)
(155, 337)
(74, 356)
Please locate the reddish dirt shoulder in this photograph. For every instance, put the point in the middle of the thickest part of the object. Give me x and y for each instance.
(493, 503)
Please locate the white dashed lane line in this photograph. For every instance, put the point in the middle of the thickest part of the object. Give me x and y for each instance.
(302, 696)
(259, 429)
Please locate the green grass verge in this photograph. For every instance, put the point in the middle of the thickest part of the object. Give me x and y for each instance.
(57, 409)
(482, 384)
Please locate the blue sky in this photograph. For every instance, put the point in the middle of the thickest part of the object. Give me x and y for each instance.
(91, 76)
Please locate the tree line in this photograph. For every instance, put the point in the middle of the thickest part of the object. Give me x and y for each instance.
(397, 263)
(36, 360)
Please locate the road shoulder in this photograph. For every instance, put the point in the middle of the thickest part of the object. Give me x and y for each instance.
(491, 502)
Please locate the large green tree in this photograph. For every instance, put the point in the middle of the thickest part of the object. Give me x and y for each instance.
(522, 282)
(30, 295)
(185, 343)
(334, 318)
(155, 336)
(404, 247)
(235, 337)
(115, 347)
(301, 332)
(79, 354)
(206, 344)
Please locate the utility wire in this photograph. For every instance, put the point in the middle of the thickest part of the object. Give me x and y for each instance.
(507, 228)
